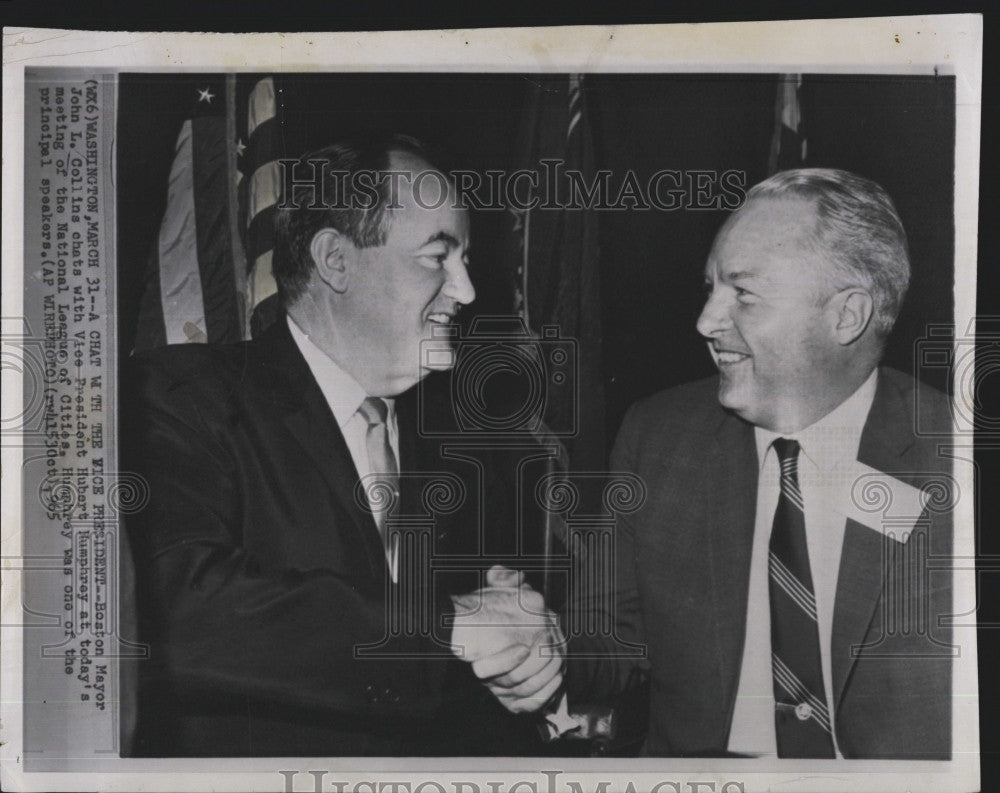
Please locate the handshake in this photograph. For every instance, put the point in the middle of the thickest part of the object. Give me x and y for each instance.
(512, 640)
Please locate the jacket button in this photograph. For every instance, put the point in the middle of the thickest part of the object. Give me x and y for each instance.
(803, 711)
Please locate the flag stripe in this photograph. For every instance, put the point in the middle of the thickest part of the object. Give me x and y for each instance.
(790, 112)
(262, 191)
(259, 192)
(261, 105)
(177, 252)
(262, 147)
(575, 105)
(788, 142)
(260, 235)
(262, 283)
(211, 201)
(150, 330)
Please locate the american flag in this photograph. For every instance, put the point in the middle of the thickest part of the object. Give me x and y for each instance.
(209, 276)
(260, 145)
(555, 258)
(788, 144)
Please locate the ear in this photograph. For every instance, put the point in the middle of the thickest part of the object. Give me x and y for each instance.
(330, 251)
(853, 313)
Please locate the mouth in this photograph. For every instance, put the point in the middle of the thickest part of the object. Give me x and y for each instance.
(441, 318)
(729, 357)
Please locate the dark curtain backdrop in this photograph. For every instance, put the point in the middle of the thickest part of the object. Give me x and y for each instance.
(896, 130)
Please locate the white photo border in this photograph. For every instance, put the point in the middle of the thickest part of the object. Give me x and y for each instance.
(901, 45)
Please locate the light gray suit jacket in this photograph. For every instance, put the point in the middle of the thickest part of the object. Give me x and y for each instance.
(683, 566)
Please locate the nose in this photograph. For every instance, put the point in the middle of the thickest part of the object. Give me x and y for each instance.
(714, 318)
(458, 286)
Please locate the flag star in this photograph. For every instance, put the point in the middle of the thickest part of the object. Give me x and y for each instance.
(561, 721)
(240, 147)
(206, 95)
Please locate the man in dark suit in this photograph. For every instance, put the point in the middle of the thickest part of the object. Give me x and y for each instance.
(283, 559)
(786, 576)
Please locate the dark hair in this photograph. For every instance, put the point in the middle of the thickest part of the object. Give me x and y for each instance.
(858, 226)
(344, 207)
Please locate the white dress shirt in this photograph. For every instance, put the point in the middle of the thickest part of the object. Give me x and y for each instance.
(828, 454)
(344, 395)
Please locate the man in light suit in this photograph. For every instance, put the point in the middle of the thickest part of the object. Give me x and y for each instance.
(265, 564)
(781, 614)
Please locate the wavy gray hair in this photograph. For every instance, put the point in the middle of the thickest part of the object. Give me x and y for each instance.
(858, 226)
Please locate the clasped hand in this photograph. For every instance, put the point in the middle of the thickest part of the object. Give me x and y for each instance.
(512, 640)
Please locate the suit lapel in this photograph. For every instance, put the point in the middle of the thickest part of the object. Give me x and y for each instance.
(315, 429)
(733, 510)
(422, 455)
(859, 586)
(415, 451)
(886, 437)
(306, 414)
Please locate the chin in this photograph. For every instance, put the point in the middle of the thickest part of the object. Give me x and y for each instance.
(735, 400)
(401, 381)
(728, 395)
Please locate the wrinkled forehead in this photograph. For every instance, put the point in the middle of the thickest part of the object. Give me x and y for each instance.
(762, 231)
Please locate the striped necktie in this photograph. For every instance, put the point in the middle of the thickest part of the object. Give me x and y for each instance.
(801, 718)
(381, 460)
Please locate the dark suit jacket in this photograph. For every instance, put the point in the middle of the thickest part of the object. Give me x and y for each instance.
(683, 564)
(259, 574)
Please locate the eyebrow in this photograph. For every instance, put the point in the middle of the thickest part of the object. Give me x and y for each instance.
(443, 236)
(740, 275)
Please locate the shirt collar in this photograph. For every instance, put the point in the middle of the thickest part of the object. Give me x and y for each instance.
(343, 393)
(834, 440)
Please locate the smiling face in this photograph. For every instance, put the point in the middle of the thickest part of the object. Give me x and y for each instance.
(770, 326)
(395, 294)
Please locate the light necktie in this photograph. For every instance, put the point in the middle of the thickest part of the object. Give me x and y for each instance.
(801, 718)
(382, 462)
